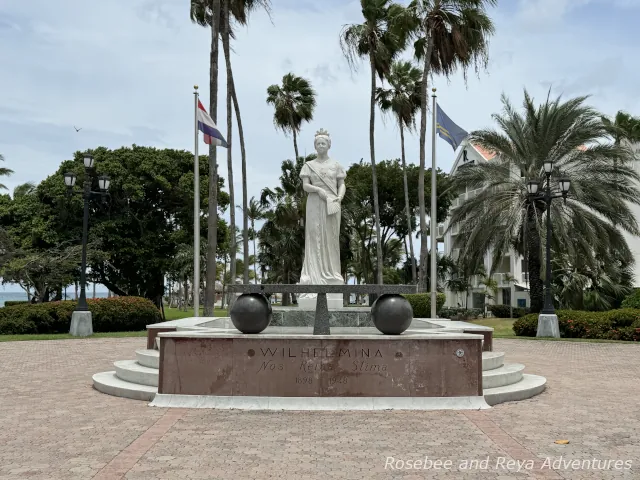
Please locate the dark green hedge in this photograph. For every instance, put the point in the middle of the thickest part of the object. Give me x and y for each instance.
(464, 314)
(504, 311)
(118, 314)
(421, 303)
(11, 303)
(623, 324)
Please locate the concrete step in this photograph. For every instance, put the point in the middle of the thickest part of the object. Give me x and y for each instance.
(148, 358)
(529, 386)
(505, 375)
(132, 371)
(109, 383)
(492, 360)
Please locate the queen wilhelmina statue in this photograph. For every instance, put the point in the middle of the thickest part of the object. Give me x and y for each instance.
(323, 180)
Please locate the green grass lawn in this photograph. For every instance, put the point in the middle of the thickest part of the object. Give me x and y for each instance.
(502, 327)
(66, 336)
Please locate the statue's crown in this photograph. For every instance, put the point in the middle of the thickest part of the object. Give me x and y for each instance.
(322, 133)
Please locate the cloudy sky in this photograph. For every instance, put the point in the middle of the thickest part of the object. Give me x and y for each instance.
(124, 70)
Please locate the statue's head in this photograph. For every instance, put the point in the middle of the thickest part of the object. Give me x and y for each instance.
(322, 142)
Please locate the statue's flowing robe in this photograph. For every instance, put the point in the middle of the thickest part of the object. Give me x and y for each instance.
(322, 231)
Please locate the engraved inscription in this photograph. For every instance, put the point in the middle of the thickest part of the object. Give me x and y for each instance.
(342, 367)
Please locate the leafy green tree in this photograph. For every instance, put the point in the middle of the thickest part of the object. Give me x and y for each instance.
(282, 235)
(402, 100)
(451, 34)
(504, 218)
(294, 102)
(147, 217)
(378, 40)
(359, 209)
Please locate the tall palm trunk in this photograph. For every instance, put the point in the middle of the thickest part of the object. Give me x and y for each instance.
(534, 262)
(255, 252)
(186, 295)
(376, 206)
(295, 146)
(424, 249)
(406, 204)
(212, 220)
(243, 154)
(233, 248)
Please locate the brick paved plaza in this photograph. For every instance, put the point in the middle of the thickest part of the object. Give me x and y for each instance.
(56, 426)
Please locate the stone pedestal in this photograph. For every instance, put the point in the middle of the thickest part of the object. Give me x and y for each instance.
(548, 326)
(81, 324)
(308, 301)
(304, 365)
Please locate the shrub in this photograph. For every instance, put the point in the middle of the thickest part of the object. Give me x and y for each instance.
(11, 303)
(118, 314)
(632, 300)
(504, 311)
(615, 324)
(460, 313)
(421, 303)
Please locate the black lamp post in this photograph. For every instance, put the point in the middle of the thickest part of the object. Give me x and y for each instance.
(533, 187)
(81, 324)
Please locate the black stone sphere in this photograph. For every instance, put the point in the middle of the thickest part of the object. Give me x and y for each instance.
(251, 313)
(391, 314)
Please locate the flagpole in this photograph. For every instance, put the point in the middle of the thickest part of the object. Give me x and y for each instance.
(434, 216)
(196, 212)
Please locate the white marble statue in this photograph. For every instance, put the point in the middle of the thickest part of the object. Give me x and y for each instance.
(323, 180)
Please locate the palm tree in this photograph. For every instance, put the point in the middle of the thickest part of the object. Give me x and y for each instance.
(403, 101)
(282, 235)
(4, 172)
(225, 32)
(207, 13)
(490, 289)
(503, 218)
(451, 34)
(293, 103)
(24, 189)
(379, 39)
(623, 127)
(239, 11)
(255, 212)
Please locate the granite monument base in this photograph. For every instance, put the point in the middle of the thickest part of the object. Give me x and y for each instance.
(338, 317)
(413, 364)
(308, 301)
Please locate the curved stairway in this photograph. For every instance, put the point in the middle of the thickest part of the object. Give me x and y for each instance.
(138, 379)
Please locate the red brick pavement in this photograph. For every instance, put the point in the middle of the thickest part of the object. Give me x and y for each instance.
(56, 426)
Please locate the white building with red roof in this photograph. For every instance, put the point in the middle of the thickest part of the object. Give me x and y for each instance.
(514, 292)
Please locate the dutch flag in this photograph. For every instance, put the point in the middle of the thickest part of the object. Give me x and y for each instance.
(206, 125)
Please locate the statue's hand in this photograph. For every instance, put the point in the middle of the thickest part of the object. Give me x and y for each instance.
(323, 194)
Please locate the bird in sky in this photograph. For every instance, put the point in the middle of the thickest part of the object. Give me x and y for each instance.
(77, 129)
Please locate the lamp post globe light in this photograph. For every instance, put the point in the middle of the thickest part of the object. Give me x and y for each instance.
(548, 320)
(81, 320)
